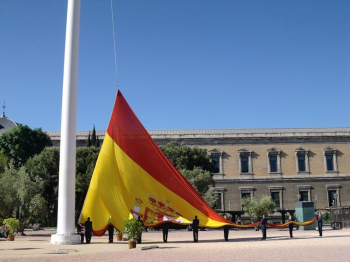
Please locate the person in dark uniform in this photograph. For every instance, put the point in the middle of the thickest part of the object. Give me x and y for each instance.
(139, 238)
(165, 229)
(291, 226)
(81, 231)
(195, 224)
(110, 233)
(263, 227)
(319, 223)
(226, 230)
(88, 230)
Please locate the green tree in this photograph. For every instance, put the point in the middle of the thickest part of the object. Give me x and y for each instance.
(93, 137)
(21, 195)
(88, 144)
(195, 165)
(184, 157)
(8, 192)
(33, 206)
(256, 209)
(199, 179)
(21, 143)
(97, 142)
(85, 165)
(46, 167)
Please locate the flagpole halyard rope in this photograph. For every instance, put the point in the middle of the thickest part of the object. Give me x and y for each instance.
(114, 48)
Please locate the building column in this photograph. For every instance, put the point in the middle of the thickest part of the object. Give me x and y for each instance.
(250, 164)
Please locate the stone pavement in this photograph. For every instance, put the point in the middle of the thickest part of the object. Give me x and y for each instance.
(244, 245)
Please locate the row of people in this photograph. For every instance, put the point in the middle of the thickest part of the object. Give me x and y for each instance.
(87, 230)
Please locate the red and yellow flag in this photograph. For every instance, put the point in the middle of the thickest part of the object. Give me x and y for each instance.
(132, 177)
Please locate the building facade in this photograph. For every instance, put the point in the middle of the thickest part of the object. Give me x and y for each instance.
(289, 165)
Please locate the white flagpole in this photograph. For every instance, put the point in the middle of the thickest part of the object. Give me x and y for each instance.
(66, 189)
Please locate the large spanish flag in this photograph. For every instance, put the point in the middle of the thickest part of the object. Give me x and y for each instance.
(132, 177)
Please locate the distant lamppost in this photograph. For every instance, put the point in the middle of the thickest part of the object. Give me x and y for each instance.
(298, 196)
(315, 201)
(335, 199)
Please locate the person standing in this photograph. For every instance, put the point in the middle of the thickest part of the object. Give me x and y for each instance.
(263, 227)
(291, 226)
(81, 231)
(165, 229)
(88, 230)
(195, 225)
(226, 230)
(139, 238)
(110, 233)
(319, 223)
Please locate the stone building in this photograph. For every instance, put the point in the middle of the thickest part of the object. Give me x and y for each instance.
(306, 164)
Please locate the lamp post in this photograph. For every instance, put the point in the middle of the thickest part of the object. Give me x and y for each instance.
(335, 199)
(315, 201)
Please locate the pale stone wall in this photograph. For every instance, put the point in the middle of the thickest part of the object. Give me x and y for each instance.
(288, 158)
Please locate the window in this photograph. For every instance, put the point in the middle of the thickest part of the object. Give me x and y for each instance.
(329, 161)
(273, 163)
(301, 163)
(304, 193)
(276, 198)
(219, 203)
(302, 160)
(246, 195)
(276, 195)
(333, 194)
(245, 162)
(246, 192)
(330, 158)
(331, 197)
(274, 157)
(216, 159)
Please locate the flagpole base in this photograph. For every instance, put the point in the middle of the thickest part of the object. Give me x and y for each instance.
(65, 239)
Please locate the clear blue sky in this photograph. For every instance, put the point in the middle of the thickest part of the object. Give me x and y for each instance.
(182, 64)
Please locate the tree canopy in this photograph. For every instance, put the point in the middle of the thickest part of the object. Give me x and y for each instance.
(85, 165)
(21, 143)
(185, 157)
(21, 195)
(195, 165)
(46, 167)
(256, 209)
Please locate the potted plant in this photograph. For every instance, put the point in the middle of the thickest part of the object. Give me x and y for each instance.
(119, 235)
(133, 229)
(12, 224)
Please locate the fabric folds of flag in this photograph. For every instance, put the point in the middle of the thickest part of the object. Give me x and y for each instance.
(133, 178)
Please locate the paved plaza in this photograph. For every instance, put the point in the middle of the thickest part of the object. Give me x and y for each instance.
(244, 245)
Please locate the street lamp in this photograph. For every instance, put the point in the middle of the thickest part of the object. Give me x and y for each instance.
(315, 201)
(335, 199)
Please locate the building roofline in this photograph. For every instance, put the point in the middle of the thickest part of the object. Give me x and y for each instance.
(221, 133)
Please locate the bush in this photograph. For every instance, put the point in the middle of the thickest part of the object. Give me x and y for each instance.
(256, 209)
(132, 228)
(326, 216)
(12, 224)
